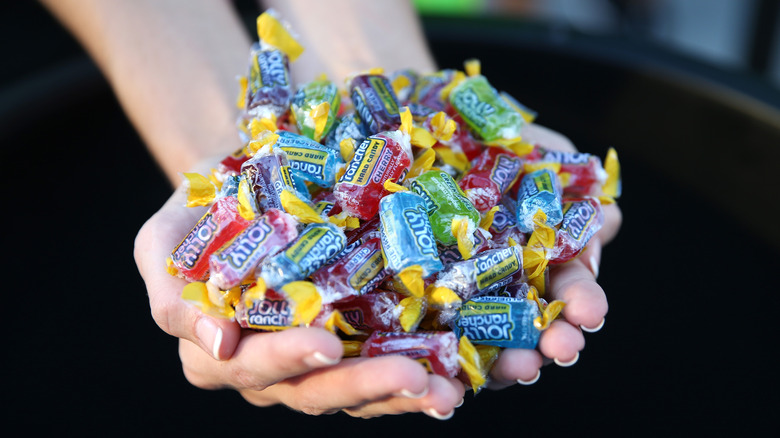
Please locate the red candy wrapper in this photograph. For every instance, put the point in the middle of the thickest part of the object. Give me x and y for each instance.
(582, 218)
(220, 224)
(463, 139)
(231, 165)
(266, 236)
(375, 311)
(582, 173)
(325, 204)
(380, 157)
(491, 175)
(356, 273)
(437, 351)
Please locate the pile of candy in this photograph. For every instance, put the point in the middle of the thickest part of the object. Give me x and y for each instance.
(403, 212)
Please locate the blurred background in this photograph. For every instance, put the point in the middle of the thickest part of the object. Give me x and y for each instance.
(685, 90)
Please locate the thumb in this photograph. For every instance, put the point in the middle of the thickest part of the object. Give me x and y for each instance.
(153, 245)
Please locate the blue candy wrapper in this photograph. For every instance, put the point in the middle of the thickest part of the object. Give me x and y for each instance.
(317, 244)
(346, 126)
(539, 190)
(407, 237)
(310, 160)
(499, 321)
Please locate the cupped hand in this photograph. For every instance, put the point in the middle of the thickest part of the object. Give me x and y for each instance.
(574, 283)
(301, 368)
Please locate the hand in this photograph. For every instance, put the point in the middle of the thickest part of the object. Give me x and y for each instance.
(301, 368)
(574, 283)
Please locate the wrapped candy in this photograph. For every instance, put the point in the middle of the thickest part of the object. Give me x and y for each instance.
(375, 102)
(265, 236)
(310, 160)
(486, 272)
(273, 311)
(499, 321)
(356, 273)
(583, 173)
(407, 238)
(315, 107)
(380, 157)
(485, 112)
(294, 304)
(268, 174)
(429, 87)
(582, 218)
(539, 190)
(374, 311)
(446, 203)
(504, 225)
(342, 210)
(437, 351)
(325, 203)
(347, 126)
(317, 244)
(404, 82)
(221, 223)
(451, 254)
(491, 175)
(269, 89)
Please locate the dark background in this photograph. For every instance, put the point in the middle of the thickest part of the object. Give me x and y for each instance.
(690, 340)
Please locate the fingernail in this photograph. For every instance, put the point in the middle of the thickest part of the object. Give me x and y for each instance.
(209, 334)
(318, 359)
(435, 414)
(532, 381)
(410, 394)
(594, 329)
(594, 266)
(569, 363)
(461, 403)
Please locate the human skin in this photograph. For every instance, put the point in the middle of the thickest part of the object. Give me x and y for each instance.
(173, 66)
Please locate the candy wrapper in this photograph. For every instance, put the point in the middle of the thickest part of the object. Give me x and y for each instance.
(539, 190)
(219, 225)
(485, 112)
(446, 204)
(239, 258)
(310, 160)
(403, 213)
(437, 351)
(407, 237)
(375, 102)
(498, 321)
(316, 245)
(380, 157)
(490, 177)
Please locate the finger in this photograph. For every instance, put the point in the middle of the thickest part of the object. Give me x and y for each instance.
(575, 284)
(353, 382)
(562, 342)
(591, 256)
(515, 366)
(613, 219)
(153, 244)
(263, 359)
(547, 138)
(444, 395)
